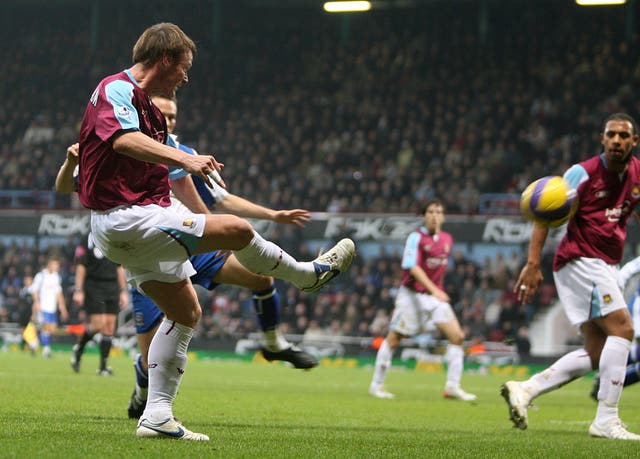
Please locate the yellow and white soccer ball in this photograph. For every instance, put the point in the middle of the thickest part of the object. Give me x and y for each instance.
(549, 201)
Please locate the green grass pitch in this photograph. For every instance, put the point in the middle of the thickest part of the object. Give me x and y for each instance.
(272, 411)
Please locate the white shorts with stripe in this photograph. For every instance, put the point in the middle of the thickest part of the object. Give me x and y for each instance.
(415, 312)
(588, 288)
(151, 242)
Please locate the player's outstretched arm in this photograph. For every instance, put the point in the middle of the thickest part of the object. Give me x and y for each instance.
(531, 276)
(241, 207)
(144, 148)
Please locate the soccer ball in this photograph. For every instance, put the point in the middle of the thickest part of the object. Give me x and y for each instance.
(549, 201)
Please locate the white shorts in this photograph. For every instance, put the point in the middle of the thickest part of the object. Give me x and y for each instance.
(588, 288)
(151, 242)
(415, 312)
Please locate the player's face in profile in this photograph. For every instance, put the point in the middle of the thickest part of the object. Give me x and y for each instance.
(175, 73)
(434, 217)
(618, 141)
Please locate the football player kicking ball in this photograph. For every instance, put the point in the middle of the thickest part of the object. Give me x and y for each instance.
(123, 179)
(585, 271)
(215, 268)
(421, 301)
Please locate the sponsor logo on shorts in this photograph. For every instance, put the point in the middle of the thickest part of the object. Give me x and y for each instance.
(606, 298)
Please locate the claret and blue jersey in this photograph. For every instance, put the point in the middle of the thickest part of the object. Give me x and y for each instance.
(606, 200)
(108, 179)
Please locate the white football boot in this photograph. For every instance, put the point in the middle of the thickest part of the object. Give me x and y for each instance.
(456, 392)
(169, 428)
(518, 400)
(614, 429)
(331, 263)
(378, 391)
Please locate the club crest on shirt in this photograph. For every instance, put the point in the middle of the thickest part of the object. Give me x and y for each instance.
(601, 194)
(187, 222)
(635, 191)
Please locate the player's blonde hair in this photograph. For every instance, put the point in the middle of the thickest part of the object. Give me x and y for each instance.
(159, 40)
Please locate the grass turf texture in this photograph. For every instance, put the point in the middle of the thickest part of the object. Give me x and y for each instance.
(271, 411)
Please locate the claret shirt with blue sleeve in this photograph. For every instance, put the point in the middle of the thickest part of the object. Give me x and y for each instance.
(429, 251)
(606, 200)
(107, 179)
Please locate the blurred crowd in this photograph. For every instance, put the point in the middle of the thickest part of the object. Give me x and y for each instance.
(370, 113)
(357, 304)
(403, 105)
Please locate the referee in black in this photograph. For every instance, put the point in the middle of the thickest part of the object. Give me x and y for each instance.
(101, 290)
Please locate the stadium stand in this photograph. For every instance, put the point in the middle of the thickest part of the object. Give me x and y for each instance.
(374, 113)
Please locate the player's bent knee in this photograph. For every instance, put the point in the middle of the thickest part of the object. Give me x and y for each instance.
(188, 317)
(457, 339)
(228, 232)
(628, 333)
(394, 339)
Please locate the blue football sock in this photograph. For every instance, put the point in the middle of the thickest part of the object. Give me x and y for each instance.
(633, 374)
(267, 306)
(142, 376)
(45, 338)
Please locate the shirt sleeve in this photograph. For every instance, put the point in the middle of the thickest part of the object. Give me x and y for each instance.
(576, 175)
(58, 284)
(410, 254)
(116, 111)
(176, 173)
(81, 255)
(37, 281)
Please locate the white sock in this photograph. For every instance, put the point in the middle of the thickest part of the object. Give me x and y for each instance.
(454, 357)
(564, 370)
(264, 257)
(383, 362)
(613, 366)
(167, 360)
(274, 341)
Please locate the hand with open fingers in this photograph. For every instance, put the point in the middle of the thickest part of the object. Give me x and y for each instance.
(298, 217)
(527, 284)
(205, 167)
